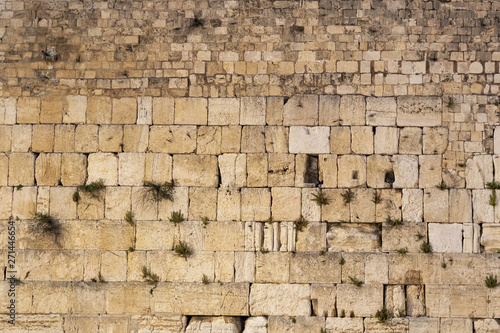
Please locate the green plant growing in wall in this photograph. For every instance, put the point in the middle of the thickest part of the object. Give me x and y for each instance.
(419, 236)
(403, 251)
(426, 247)
(45, 225)
(347, 196)
(205, 279)
(377, 197)
(443, 265)
(451, 103)
(491, 281)
(92, 189)
(157, 192)
(150, 278)
(355, 281)
(320, 199)
(493, 198)
(129, 218)
(183, 250)
(264, 250)
(442, 186)
(342, 261)
(300, 223)
(204, 222)
(19, 187)
(176, 217)
(382, 315)
(493, 185)
(393, 222)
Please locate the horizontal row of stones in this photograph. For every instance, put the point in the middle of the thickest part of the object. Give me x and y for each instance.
(244, 299)
(305, 110)
(245, 170)
(73, 323)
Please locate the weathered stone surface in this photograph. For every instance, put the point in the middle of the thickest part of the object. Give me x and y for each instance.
(296, 324)
(33, 322)
(424, 325)
(479, 171)
(172, 139)
(232, 232)
(344, 325)
(376, 269)
(480, 326)
(490, 237)
(362, 301)
(386, 140)
(131, 168)
(163, 110)
(323, 298)
(353, 237)
(460, 205)
(223, 111)
(202, 202)
(103, 166)
(124, 111)
(309, 268)
(253, 111)
(362, 139)
(309, 140)
(435, 140)
(381, 111)
(48, 169)
(352, 110)
(281, 170)
(28, 110)
(253, 139)
(373, 325)
(135, 138)
(430, 171)
(415, 301)
(483, 211)
(351, 170)
(161, 322)
(193, 170)
(190, 111)
(255, 204)
(98, 110)
(301, 110)
(21, 169)
(329, 110)
(232, 170)
(419, 111)
(436, 205)
(280, 299)
(111, 138)
(257, 168)
(214, 324)
(86, 138)
(285, 203)
(398, 238)
(256, 325)
(379, 171)
(340, 140)
(445, 237)
(405, 171)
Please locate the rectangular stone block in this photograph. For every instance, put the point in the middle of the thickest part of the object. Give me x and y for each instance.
(436, 205)
(478, 171)
(281, 170)
(353, 237)
(225, 236)
(230, 139)
(272, 267)
(253, 139)
(64, 139)
(410, 140)
(99, 110)
(74, 109)
(191, 111)
(253, 111)
(309, 140)
(194, 170)
(286, 203)
(329, 110)
(301, 110)
(277, 139)
(351, 170)
(340, 140)
(311, 268)
(430, 171)
(381, 111)
(209, 140)
(124, 111)
(158, 167)
(255, 204)
(8, 111)
(28, 110)
(280, 300)
(362, 139)
(21, 169)
(135, 138)
(172, 139)
(386, 140)
(48, 169)
(490, 237)
(362, 301)
(351, 325)
(257, 169)
(228, 205)
(163, 110)
(352, 110)
(223, 111)
(483, 212)
(419, 111)
(232, 169)
(103, 166)
(86, 138)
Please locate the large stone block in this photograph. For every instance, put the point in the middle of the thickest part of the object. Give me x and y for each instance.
(479, 171)
(352, 110)
(111, 138)
(309, 140)
(285, 203)
(460, 205)
(232, 169)
(48, 169)
(386, 140)
(415, 301)
(329, 110)
(295, 324)
(405, 171)
(361, 301)
(24, 202)
(214, 324)
(223, 111)
(301, 110)
(162, 322)
(86, 138)
(255, 204)
(280, 299)
(311, 268)
(277, 139)
(202, 203)
(21, 138)
(194, 170)
(6, 203)
(253, 139)
(435, 140)
(135, 138)
(172, 139)
(281, 170)
(336, 210)
(353, 237)
(379, 171)
(64, 138)
(483, 212)
(351, 170)
(381, 111)
(73, 169)
(362, 139)
(8, 108)
(5, 138)
(430, 171)
(131, 169)
(228, 205)
(340, 140)
(103, 166)
(21, 169)
(74, 109)
(99, 110)
(225, 236)
(209, 140)
(347, 325)
(419, 111)
(43, 138)
(163, 110)
(436, 205)
(410, 140)
(191, 111)
(403, 237)
(253, 111)
(62, 205)
(124, 111)
(257, 169)
(28, 110)
(490, 237)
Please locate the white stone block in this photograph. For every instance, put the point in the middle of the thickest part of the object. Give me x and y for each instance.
(309, 140)
(445, 237)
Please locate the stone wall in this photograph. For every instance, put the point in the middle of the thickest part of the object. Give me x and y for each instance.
(330, 159)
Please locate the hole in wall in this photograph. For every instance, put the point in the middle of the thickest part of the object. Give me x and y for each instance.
(389, 177)
(311, 174)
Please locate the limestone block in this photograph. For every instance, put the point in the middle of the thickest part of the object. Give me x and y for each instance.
(253, 139)
(395, 300)
(111, 138)
(328, 170)
(460, 205)
(353, 237)
(154, 235)
(352, 110)
(362, 139)
(336, 210)
(354, 267)
(145, 110)
(351, 170)
(8, 111)
(311, 268)
(64, 138)
(5, 138)
(403, 237)
(103, 166)
(257, 169)
(389, 205)
(158, 167)
(223, 111)
(21, 169)
(229, 299)
(28, 110)
(43, 138)
(209, 140)
(135, 138)
(33, 322)
(381, 111)
(253, 111)
(244, 266)
(74, 109)
(90, 208)
(391, 325)
(347, 325)
(24, 202)
(48, 169)
(191, 111)
(195, 170)
(410, 140)
(496, 140)
(430, 170)
(214, 324)
(301, 110)
(117, 202)
(225, 236)
(419, 111)
(172, 268)
(480, 325)
(376, 269)
(172, 139)
(114, 266)
(202, 203)
(272, 267)
(256, 325)
(277, 139)
(98, 110)
(415, 301)
(379, 171)
(362, 206)
(340, 140)
(478, 171)
(131, 169)
(309, 140)
(482, 210)
(274, 110)
(435, 140)
(4, 169)
(311, 210)
(323, 299)
(124, 111)
(296, 324)
(147, 209)
(468, 301)
(230, 139)
(114, 235)
(21, 138)
(161, 322)
(86, 138)
(73, 169)
(329, 110)
(362, 301)
(62, 205)
(232, 170)
(386, 140)
(43, 199)
(280, 300)
(228, 205)
(281, 170)
(163, 110)
(255, 204)
(193, 233)
(405, 171)
(285, 203)
(436, 205)
(6, 202)
(490, 237)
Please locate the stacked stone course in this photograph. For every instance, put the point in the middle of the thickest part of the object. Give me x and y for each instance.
(389, 108)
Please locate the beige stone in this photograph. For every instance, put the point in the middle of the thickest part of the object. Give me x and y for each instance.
(114, 265)
(43, 138)
(389, 205)
(202, 203)
(329, 110)
(21, 169)
(480, 325)
(419, 111)
(74, 109)
(362, 206)
(232, 170)
(340, 140)
(64, 138)
(162, 322)
(163, 110)
(209, 140)
(230, 139)
(436, 205)
(352, 110)
(328, 170)
(62, 205)
(244, 266)
(6, 203)
(323, 298)
(301, 110)
(391, 325)
(347, 325)
(4, 169)
(257, 169)
(285, 203)
(111, 138)
(483, 211)
(403, 237)
(8, 108)
(274, 110)
(99, 110)
(405, 171)
(124, 111)
(379, 171)
(193, 170)
(478, 171)
(117, 202)
(48, 169)
(362, 301)
(376, 269)
(255, 204)
(214, 324)
(21, 138)
(256, 325)
(311, 268)
(353, 237)
(311, 210)
(395, 300)
(381, 111)
(145, 110)
(90, 208)
(232, 232)
(266, 266)
(351, 170)
(281, 170)
(5, 138)
(154, 235)
(253, 139)
(253, 111)
(86, 138)
(280, 300)
(415, 300)
(410, 140)
(228, 205)
(430, 171)
(51, 109)
(386, 140)
(296, 324)
(336, 210)
(460, 205)
(223, 111)
(489, 237)
(362, 139)
(28, 110)
(276, 139)
(73, 169)
(103, 166)
(435, 140)
(131, 168)
(191, 111)
(311, 238)
(309, 140)
(158, 167)
(173, 139)
(23, 202)
(135, 138)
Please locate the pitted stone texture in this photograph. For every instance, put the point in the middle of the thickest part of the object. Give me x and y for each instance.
(191, 111)
(309, 140)
(419, 111)
(103, 166)
(194, 170)
(381, 111)
(347, 325)
(172, 139)
(256, 325)
(296, 324)
(253, 111)
(490, 237)
(351, 170)
(280, 299)
(479, 171)
(363, 301)
(445, 237)
(214, 324)
(353, 237)
(352, 110)
(301, 110)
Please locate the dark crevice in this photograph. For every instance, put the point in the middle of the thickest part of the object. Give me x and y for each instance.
(311, 174)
